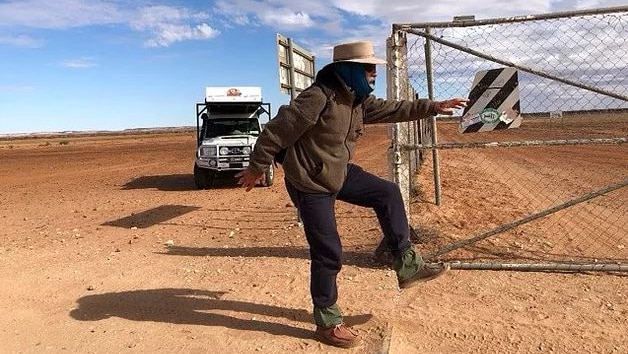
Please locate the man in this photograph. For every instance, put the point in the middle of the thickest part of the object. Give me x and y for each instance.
(317, 134)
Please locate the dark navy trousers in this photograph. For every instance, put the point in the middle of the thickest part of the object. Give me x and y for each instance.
(317, 212)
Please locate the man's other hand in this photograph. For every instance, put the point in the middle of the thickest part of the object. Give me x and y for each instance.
(248, 179)
(447, 107)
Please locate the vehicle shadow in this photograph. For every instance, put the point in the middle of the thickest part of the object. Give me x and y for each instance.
(358, 258)
(191, 306)
(166, 183)
(152, 216)
(177, 183)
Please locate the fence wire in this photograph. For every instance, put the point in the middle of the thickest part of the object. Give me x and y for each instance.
(590, 51)
(532, 203)
(550, 192)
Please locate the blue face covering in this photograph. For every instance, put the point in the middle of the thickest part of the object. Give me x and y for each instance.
(354, 76)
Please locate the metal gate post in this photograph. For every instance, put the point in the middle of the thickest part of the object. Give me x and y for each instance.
(434, 135)
(397, 88)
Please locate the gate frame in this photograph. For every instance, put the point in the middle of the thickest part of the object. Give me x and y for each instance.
(401, 147)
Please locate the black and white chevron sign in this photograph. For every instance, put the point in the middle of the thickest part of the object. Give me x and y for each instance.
(493, 102)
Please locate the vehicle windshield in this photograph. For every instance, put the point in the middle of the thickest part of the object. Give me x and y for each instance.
(227, 126)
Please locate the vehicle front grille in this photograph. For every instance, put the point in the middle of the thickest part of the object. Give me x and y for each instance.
(235, 150)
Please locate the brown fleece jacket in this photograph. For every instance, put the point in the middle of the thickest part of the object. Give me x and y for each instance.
(320, 129)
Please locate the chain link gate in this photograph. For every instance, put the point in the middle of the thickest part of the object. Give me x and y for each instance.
(548, 195)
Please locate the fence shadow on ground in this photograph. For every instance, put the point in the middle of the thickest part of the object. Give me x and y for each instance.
(362, 259)
(191, 306)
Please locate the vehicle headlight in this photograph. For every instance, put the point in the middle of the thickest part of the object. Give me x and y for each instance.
(246, 150)
(208, 151)
(224, 150)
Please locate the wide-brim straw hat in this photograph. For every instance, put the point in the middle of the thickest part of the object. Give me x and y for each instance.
(357, 52)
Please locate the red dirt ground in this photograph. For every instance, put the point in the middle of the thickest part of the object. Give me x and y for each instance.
(107, 247)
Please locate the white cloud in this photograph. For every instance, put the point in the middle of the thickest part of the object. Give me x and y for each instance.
(155, 16)
(83, 62)
(402, 11)
(21, 41)
(163, 24)
(321, 24)
(169, 25)
(330, 16)
(315, 21)
(287, 19)
(241, 20)
(59, 14)
(167, 34)
(592, 4)
(281, 14)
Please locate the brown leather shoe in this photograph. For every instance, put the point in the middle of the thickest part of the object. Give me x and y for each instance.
(427, 272)
(339, 336)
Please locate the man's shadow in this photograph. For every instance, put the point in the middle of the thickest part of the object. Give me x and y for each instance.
(193, 306)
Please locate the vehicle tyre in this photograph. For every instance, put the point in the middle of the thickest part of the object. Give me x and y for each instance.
(203, 178)
(269, 176)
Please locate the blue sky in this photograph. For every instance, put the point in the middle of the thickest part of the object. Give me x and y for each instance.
(111, 64)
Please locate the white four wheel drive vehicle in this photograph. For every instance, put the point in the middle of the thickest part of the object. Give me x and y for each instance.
(227, 127)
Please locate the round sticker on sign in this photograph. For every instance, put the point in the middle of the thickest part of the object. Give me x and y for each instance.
(489, 115)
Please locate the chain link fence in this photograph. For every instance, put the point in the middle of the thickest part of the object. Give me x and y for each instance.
(549, 194)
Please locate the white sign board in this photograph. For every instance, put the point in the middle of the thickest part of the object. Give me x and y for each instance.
(233, 94)
(296, 66)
